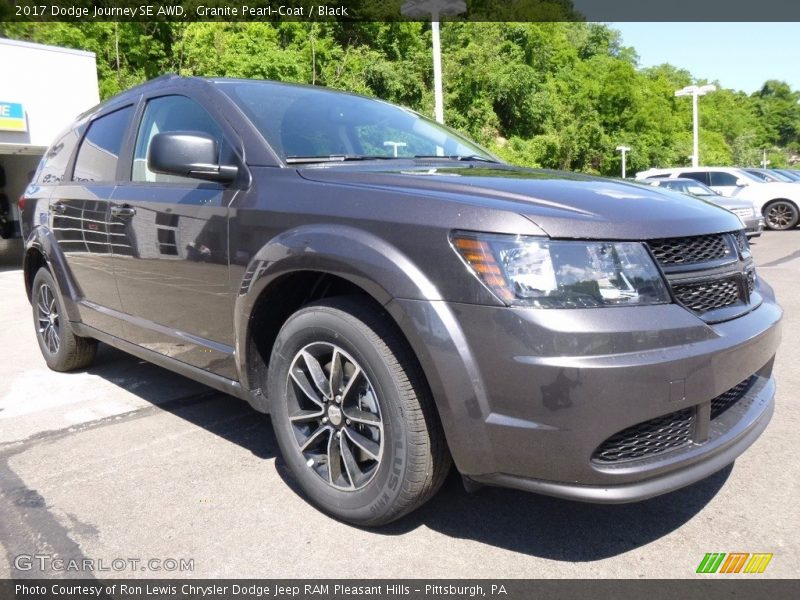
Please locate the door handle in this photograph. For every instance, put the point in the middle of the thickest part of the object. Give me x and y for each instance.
(122, 211)
(58, 207)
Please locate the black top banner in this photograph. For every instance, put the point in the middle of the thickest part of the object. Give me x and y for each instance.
(399, 10)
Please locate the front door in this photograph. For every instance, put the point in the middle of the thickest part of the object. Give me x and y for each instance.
(172, 271)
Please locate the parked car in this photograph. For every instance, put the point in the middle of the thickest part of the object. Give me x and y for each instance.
(778, 202)
(790, 173)
(769, 175)
(553, 332)
(744, 209)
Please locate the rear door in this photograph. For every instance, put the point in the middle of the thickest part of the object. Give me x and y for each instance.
(173, 280)
(79, 217)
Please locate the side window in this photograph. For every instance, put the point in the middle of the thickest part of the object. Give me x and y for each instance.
(700, 176)
(99, 151)
(169, 113)
(53, 165)
(719, 178)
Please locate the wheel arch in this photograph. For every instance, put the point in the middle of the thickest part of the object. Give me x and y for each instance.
(781, 199)
(308, 264)
(42, 251)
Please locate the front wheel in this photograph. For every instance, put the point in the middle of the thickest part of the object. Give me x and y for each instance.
(352, 413)
(781, 215)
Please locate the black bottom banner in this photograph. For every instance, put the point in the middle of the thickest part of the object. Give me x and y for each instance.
(390, 589)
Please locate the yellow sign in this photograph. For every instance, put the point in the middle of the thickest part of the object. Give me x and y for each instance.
(12, 117)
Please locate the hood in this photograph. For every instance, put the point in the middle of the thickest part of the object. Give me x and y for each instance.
(564, 205)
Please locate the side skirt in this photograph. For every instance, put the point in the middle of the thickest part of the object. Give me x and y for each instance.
(217, 382)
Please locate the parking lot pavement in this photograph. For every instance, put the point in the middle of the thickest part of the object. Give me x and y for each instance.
(128, 461)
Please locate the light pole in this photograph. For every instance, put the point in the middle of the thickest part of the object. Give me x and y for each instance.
(395, 145)
(624, 150)
(695, 91)
(434, 9)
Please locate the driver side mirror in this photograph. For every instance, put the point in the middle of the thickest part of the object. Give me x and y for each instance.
(189, 154)
(742, 182)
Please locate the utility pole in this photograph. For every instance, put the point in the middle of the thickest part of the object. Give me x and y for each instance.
(624, 150)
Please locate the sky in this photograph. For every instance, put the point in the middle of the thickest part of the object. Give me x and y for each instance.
(741, 56)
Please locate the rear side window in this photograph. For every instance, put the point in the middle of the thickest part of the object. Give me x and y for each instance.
(719, 178)
(696, 175)
(164, 114)
(99, 151)
(53, 166)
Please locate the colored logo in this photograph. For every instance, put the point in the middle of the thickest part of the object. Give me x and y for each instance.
(12, 117)
(734, 562)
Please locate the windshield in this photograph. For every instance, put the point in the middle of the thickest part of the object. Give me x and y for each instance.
(307, 124)
(695, 188)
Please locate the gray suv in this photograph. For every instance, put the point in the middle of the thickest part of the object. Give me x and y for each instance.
(396, 298)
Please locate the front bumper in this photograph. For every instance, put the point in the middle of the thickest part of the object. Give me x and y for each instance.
(527, 396)
(754, 226)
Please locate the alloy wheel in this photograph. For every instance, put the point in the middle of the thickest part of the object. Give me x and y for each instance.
(48, 319)
(335, 415)
(780, 216)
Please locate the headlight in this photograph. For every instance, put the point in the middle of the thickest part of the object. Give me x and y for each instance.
(533, 271)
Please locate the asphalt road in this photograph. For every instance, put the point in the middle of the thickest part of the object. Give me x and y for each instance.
(129, 461)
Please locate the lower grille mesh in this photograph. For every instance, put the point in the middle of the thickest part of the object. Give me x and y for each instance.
(707, 295)
(724, 401)
(645, 439)
(665, 433)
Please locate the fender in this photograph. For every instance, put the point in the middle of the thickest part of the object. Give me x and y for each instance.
(355, 255)
(393, 280)
(41, 238)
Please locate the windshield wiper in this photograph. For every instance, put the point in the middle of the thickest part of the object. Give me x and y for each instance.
(353, 157)
(335, 158)
(476, 157)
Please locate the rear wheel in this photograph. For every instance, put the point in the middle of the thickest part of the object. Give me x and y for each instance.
(61, 348)
(352, 413)
(781, 215)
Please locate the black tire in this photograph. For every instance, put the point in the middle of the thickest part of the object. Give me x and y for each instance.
(66, 351)
(413, 457)
(781, 215)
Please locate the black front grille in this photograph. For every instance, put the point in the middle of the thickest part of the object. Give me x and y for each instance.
(646, 439)
(727, 399)
(689, 250)
(707, 295)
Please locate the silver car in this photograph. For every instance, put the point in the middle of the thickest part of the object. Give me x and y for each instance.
(744, 209)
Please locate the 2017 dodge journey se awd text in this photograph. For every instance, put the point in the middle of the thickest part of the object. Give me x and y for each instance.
(396, 298)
